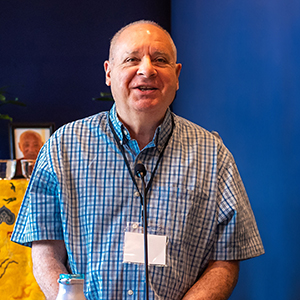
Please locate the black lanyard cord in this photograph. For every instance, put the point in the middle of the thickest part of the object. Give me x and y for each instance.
(121, 147)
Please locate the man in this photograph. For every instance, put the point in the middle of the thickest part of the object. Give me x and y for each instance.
(85, 197)
(30, 144)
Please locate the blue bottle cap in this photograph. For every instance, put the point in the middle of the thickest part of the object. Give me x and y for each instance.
(68, 278)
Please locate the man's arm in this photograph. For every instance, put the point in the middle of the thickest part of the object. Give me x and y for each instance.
(216, 283)
(49, 259)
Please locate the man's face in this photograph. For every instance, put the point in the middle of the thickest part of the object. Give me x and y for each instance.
(142, 71)
(30, 146)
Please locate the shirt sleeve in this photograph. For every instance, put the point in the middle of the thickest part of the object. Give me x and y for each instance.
(39, 215)
(237, 235)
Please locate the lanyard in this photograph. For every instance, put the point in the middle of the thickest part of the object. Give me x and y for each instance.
(121, 147)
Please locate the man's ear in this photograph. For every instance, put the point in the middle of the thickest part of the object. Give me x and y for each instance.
(178, 69)
(107, 70)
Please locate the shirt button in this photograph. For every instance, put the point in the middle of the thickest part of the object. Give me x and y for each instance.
(136, 194)
(130, 292)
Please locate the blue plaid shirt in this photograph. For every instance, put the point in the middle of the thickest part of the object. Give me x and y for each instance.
(81, 191)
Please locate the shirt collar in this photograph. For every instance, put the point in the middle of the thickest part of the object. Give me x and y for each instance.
(161, 133)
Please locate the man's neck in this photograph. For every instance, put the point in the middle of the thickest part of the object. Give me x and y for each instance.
(143, 136)
(142, 128)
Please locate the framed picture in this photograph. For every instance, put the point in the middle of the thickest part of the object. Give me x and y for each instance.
(26, 139)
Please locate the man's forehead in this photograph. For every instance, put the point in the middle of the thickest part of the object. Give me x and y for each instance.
(135, 32)
(131, 42)
(29, 136)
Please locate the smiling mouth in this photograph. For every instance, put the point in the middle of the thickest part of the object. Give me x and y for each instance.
(146, 88)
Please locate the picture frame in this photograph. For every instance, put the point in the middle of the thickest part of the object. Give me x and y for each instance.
(44, 130)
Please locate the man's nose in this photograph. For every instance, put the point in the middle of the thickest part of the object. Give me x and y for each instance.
(146, 68)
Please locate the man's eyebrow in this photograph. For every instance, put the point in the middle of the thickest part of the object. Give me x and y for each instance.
(158, 52)
(154, 54)
(162, 53)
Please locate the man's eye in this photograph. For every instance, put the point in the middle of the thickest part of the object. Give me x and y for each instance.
(161, 60)
(131, 59)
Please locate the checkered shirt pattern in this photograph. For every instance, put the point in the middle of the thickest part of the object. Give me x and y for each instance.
(81, 191)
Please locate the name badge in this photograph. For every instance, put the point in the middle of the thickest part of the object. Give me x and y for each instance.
(134, 248)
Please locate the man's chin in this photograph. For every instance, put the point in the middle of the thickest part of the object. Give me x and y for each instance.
(147, 104)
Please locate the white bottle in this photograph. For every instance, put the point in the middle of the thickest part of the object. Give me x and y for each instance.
(70, 287)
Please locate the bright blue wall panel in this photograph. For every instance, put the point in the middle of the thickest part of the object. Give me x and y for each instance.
(241, 77)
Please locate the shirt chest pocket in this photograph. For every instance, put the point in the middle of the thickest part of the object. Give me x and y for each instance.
(182, 211)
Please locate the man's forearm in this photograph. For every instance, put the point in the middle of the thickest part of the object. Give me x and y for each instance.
(216, 283)
(48, 259)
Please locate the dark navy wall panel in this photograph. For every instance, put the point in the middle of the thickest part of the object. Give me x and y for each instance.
(52, 54)
(241, 77)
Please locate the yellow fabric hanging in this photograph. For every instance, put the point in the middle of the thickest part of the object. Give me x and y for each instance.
(16, 277)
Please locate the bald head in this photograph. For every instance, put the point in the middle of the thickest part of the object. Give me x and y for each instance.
(30, 144)
(115, 38)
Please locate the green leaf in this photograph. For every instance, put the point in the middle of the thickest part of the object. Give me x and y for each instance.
(2, 98)
(5, 117)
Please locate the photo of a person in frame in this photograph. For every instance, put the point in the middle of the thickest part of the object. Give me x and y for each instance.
(30, 143)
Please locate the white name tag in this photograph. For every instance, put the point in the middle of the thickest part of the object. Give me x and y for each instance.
(134, 248)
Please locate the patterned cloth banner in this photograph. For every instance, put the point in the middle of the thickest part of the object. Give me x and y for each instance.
(16, 277)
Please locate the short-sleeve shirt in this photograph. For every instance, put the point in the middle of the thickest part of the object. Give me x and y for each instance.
(81, 192)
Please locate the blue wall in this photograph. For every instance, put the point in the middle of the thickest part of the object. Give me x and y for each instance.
(241, 77)
(52, 54)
